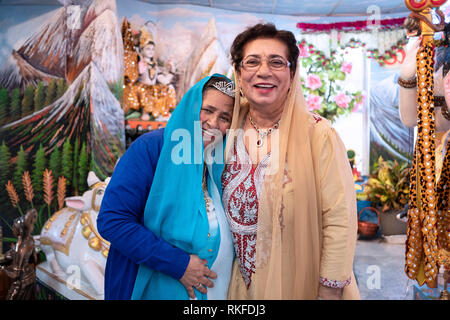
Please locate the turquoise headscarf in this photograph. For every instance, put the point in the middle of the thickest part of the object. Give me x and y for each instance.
(175, 208)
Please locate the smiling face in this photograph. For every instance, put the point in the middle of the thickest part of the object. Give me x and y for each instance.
(265, 87)
(215, 114)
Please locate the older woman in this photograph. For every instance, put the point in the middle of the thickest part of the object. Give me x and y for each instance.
(162, 211)
(287, 185)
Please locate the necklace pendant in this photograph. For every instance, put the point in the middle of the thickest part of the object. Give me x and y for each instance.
(259, 142)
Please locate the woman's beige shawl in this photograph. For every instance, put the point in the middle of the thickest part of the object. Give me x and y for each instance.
(307, 220)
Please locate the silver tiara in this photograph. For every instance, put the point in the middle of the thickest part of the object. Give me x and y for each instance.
(225, 87)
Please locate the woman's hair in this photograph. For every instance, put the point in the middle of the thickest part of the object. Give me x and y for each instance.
(222, 84)
(264, 31)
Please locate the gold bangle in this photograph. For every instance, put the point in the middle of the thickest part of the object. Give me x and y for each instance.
(411, 83)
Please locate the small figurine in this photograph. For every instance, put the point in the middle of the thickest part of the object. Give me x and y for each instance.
(148, 87)
(19, 268)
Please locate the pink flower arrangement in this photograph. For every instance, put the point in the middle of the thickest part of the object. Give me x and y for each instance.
(322, 84)
(342, 100)
(313, 102)
(304, 53)
(346, 67)
(313, 82)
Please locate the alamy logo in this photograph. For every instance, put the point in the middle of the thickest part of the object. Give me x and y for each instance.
(374, 280)
(188, 149)
(373, 21)
(74, 279)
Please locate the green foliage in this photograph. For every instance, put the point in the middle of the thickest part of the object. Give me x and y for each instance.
(76, 155)
(83, 168)
(361, 196)
(28, 101)
(39, 165)
(15, 110)
(61, 87)
(39, 96)
(50, 94)
(97, 170)
(78, 95)
(5, 165)
(67, 161)
(4, 106)
(389, 184)
(20, 168)
(117, 89)
(54, 163)
(61, 162)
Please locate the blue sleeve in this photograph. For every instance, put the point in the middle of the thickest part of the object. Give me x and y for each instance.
(121, 214)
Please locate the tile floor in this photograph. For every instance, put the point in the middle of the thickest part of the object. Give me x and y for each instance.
(379, 269)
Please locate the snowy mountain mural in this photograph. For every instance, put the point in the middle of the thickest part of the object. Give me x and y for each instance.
(90, 59)
(208, 57)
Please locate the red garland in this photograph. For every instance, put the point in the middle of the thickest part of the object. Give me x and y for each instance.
(348, 26)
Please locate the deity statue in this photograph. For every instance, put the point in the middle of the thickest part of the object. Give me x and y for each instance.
(20, 257)
(424, 97)
(148, 68)
(148, 87)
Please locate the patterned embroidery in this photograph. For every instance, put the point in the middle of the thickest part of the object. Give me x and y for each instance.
(242, 183)
(241, 188)
(280, 217)
(287, 177)
(316, 117)
(334, 283)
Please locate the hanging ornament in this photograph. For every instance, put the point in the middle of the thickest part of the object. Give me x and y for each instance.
(421, 243)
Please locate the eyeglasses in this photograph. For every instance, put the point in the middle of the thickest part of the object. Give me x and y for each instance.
(274, 63)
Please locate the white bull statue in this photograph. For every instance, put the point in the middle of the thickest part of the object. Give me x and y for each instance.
(70, 238)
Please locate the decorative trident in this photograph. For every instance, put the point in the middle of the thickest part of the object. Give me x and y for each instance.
(421, 244)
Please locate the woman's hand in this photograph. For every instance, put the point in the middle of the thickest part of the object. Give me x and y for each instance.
(328, 293)
(196, 275)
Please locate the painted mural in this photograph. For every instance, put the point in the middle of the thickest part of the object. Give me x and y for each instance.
(187, 44)
(389, 138)
(79, 83)
(63, 84)
(60, 110)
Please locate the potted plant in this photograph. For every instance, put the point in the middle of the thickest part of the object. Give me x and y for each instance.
(388, 189)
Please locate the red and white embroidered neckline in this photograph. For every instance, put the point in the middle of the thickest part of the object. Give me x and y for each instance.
(242, 184)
